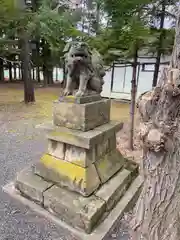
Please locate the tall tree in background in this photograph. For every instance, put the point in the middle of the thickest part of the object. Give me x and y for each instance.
(157, 211)
(129, 27)
(129, 31)
(26, 70)
(50, 21)
(7, 13)
(24, 37)
(158, 12)
(160, 44)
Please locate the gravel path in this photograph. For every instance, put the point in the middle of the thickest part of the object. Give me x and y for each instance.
(22, 144)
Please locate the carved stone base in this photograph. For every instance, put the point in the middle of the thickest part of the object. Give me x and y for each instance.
(82, 117)
(81, 213)
(82, 165)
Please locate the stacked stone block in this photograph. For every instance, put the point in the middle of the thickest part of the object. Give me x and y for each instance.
(82, 151)
(81, 176)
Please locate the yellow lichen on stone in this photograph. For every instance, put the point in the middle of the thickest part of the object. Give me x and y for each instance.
(108, 165)
(70, 97)
(62, 134)
(103, 163)
(71, 171)
(77, 178)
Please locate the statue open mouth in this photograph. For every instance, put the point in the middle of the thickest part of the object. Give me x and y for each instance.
(79, 54)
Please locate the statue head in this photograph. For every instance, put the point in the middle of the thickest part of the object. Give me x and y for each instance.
(77, 53)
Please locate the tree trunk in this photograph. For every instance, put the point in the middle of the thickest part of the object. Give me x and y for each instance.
(37, 55)
(10, 71)
(98, 5)
(64, 75)
(133, 99)
(38, 74)
(45, 76)
(1, 70)
(15, 74)
(159, 50)
(50, 76)
(33, 73)
(26, 72)
(157, 213)
(56, 74)
(47, 66)
(20, 72)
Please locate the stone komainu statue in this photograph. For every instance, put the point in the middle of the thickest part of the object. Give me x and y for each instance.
(84, 70)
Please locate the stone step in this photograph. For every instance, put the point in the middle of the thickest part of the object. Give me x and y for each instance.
(101, 231)
(31, 185)
(130, 197)
(126, 204)
(77, 211)
(80, 212)
(114, 189)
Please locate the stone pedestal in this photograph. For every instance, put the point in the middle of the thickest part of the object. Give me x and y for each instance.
(77, 159)
(81, 176)
(81, 161)
(82, 117)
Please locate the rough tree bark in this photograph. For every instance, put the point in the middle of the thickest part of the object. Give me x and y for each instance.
(157, 213)
(26, 71)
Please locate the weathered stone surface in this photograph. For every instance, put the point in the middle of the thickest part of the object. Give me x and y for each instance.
(114, 189)
(82, 117)
(83, 139)
(31, 185)
(82, 180)
(102, 148)
(80, 100)
(74, 209)
(56, 149)
(80, 156)
(110, 129)
(112, 142)
(108, 165)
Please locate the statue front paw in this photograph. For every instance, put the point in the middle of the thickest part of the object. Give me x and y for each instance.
(66, 92)
(80, 93)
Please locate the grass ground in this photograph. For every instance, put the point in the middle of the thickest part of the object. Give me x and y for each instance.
(12, 107)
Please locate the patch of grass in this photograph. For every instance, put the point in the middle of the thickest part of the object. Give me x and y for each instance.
(12, 107)
(120, 111)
